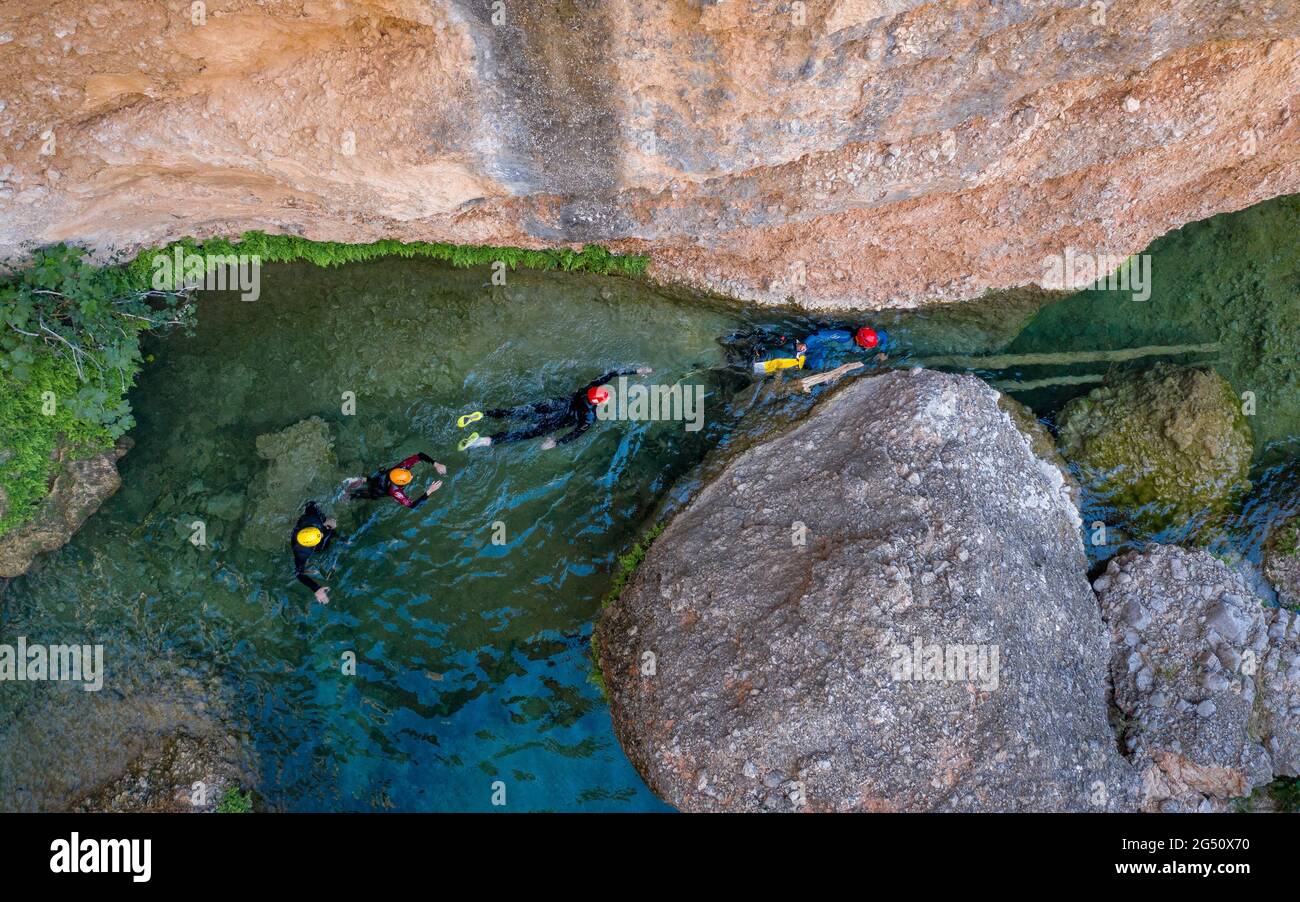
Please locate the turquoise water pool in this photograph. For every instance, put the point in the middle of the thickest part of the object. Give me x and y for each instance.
(472, 671)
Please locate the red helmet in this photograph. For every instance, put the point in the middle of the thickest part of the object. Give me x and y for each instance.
(866, 337)
(597, 395)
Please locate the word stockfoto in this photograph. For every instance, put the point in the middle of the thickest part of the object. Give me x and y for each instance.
(39, 663)
(655, 403)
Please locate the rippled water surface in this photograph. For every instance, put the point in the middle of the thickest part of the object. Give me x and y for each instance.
(472, 660)
(472, 656)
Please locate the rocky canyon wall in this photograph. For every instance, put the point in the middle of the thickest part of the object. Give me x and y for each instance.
(838, 152)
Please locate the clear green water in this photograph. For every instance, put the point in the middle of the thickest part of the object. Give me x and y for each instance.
(1234, 281)
(472, 657)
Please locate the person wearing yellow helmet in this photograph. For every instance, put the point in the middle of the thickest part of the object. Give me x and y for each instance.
(392, 482)
(311, 535)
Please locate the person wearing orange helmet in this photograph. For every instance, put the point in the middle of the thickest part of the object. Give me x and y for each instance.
(392, 481)
(311, 535)
(577, 410)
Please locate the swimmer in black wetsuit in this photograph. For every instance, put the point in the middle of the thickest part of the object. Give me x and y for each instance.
(390, 482)
(578, 410)
(312, 533)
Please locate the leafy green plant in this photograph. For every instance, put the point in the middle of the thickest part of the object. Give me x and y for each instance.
(291, 248)
(60, 304)
(69, 351)
(234, 801)
(29, 436)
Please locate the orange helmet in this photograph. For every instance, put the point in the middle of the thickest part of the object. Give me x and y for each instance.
(400, 476)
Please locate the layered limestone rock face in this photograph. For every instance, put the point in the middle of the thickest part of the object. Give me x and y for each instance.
(78, 490)
(885, 608)
(840, 152)
(1206, 678)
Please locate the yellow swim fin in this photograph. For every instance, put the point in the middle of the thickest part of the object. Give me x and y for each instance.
(782, 363)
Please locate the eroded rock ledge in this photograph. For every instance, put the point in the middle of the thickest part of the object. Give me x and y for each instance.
(841, 152)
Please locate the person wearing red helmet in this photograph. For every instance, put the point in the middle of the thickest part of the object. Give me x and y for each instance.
(825, 347)
(577, 410)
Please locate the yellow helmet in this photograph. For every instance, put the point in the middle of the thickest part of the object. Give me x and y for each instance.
(399, 476)
(309, 536)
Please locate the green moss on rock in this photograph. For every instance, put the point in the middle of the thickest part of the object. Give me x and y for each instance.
(627, 567)
(1162, 445)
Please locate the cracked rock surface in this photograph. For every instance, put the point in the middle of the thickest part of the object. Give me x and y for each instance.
(794, 638)
(1205, 676)
(838, 152)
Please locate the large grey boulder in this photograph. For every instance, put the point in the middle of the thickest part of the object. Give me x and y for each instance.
(1204, 675)
(885, 608)
(1278, 723)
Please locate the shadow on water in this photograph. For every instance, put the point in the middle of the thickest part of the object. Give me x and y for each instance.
(471, 655)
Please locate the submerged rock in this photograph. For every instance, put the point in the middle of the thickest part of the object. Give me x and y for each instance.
(885, 608)
(1162, 445)
(184, 773)
(79, 488)
(1205, 677)
(132, 747)
(301, 467)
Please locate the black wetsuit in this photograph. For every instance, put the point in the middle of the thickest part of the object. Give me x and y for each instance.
(554, 413)
(301, 553)
(379, 485)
